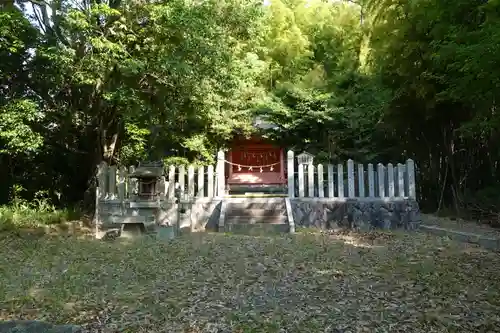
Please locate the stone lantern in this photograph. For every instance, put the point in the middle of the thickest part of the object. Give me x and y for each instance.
(148, 176)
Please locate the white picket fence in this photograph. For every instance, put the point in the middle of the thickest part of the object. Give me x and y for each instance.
(314, 181)
(115, 183)
(353, 181)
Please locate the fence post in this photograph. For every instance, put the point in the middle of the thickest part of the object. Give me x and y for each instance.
(100, 181)
(191, 181)
(310, 180)
(121, 183)
(163, 187)
(210, 181)
(331, 182)
(171, 182)
(112, 182)
(350, 179)
(132, 184)
(381, 180)
(390, 180)
(102, 173)
(410, 169)
(321, 189)
(361, 180)
(221, 179)
(290, 173)
(371, 181)
(182, 179)
(340, 178)
(301, 181)
(201, 181)
(401, 180)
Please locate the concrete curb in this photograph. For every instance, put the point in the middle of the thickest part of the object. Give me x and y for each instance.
(465, 237)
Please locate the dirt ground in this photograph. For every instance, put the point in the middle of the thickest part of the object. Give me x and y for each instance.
(461, 225)
(376, 282)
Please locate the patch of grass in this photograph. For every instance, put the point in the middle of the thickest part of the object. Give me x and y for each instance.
(377, 282)
(22, 214)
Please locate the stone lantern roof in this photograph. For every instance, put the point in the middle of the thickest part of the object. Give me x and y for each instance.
(148, 170)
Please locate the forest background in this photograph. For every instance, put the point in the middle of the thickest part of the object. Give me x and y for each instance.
(122, 81)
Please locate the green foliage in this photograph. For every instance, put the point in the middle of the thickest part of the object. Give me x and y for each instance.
(176, 161)
(17, 112)
(125, 81)
(15, 129)
(20, 213)
(327, 106)
(134, 144)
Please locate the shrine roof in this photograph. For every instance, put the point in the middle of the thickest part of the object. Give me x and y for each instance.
(262, 123)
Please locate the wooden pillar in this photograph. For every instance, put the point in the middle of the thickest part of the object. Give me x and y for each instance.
(221, 179)
(291, 174)
(282, 164)
(230, 159)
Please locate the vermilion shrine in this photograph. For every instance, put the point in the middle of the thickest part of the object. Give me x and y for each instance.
(255, 163)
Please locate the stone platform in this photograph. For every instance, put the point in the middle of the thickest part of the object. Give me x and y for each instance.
(202, 214)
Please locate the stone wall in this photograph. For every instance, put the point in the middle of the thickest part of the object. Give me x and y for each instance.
(357, 213)
(325, 213)
(196, 215)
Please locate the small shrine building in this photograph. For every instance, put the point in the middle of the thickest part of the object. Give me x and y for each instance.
(255, 162)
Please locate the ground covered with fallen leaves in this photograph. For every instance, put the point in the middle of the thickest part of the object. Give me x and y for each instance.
(457, 224)
(221, 283)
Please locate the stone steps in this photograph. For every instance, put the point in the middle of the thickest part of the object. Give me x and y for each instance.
(278, 219)
(256, 212)
(256, 203)
(256, 216)
(245, 189)
(257, 229)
